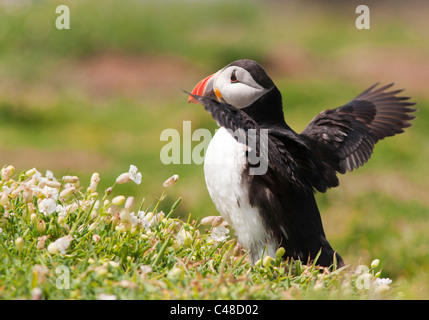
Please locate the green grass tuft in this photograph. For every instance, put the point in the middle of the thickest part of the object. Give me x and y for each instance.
(90, 244)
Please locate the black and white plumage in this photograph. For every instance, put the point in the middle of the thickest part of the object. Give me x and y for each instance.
(278, 208)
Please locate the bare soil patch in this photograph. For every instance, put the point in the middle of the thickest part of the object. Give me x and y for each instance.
(110, 74)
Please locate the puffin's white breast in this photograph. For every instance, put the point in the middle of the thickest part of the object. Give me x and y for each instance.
(223, 167)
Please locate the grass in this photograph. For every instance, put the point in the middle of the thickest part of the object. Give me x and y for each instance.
(97, 97)
(100, 245)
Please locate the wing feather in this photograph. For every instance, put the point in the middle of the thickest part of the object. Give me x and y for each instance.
(351, 131)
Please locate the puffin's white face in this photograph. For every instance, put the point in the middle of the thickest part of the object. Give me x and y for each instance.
(236, 86)
(233, 85)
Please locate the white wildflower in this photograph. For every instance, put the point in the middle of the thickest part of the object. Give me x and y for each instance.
(219, 233)
(133, 219)
(50, 176)
(63, 243)
(145, 223)
(6, 190)
(132, 174)
(63, 210)
(382, 281)
(49, 192)
(47, 206)
(135, 175)
(37, 175)
(88, 204)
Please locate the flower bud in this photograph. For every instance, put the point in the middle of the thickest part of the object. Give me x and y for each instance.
(115, 219)
(19, 243)
(96, 238)
(121, 227)
(280, 252)
(30, 172)
(185, 237)
(16, 192)
(125, 215)
(33, 218)
(70, 179)
(375, 263)
(217, 221)
(160, 216)
(61, 220)
(207, 221)
(267, 261)
(27, 195)
(4, 199)
(7, 172)
(95, 178)
(53, 248)
(171, 181)
(41, 226)
(67, 191)
(237, 250)
(41, 241)
(53, 184)
(118, 201)
(129, 203)
(149, 216)
(123, 178)
(176, 245)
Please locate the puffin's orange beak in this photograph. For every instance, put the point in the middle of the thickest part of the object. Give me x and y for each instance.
(203, 88)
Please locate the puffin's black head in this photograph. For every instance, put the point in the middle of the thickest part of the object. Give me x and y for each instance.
(245, 85)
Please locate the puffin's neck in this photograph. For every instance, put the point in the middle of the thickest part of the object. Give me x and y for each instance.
(267, 111)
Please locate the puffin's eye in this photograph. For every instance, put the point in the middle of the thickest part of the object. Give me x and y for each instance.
(233, 77)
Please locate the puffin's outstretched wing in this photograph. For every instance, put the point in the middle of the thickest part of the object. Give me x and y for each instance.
(285, 152)
(344, 137)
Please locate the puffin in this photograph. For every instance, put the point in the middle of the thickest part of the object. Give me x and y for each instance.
(262, 175)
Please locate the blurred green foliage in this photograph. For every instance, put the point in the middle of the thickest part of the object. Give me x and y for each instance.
(58, 92)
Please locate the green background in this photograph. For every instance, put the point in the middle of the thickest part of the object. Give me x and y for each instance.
(96, 98)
